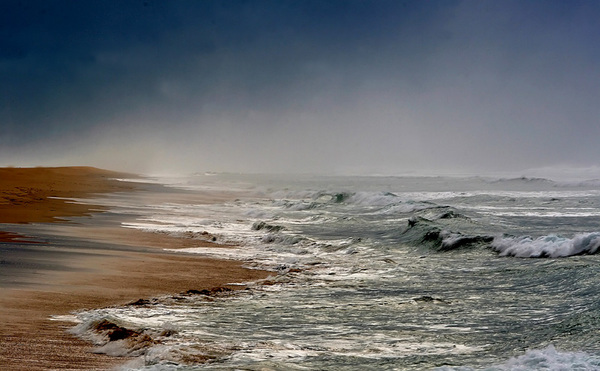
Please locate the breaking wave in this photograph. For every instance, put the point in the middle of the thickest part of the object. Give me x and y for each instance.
(424, 232)
(547, 359)
(552, 246)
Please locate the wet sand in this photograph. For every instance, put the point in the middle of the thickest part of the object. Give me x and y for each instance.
(29, 195)
(92, 276)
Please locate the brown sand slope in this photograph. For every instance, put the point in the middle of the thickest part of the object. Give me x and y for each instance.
(24, 192)
(28, 339)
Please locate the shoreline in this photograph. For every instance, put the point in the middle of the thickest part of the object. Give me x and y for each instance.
(91, 276)
(37, 195)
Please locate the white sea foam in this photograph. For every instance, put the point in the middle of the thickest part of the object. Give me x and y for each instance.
(547, 246)
(148, 180)
(546, 212)
(551, 359)
(547, 359)
(450, 239)
(65, 318)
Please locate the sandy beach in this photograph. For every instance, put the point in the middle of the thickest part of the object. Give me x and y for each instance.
(92, 276)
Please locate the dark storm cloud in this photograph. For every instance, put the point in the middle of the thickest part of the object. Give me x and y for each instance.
(301, 85)
(71, 65)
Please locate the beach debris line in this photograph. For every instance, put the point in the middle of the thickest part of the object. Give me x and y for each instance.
(215, 291)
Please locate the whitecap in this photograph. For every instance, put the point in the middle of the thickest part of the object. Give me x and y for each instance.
(547, 359)
(553, 246)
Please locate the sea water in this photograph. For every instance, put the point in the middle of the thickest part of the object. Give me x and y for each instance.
(382, 273)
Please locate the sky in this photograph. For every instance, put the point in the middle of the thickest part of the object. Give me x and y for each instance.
(329, 87)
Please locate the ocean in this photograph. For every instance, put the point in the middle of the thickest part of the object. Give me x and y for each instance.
(378, 273)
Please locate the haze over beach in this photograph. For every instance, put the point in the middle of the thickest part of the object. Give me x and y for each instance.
(313, 184)
(345, 87)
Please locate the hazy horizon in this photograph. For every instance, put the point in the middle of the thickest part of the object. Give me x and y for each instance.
(327, 87)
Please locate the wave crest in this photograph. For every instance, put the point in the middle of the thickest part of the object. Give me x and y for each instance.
(424, 232)
(552, 246)
(548, 359)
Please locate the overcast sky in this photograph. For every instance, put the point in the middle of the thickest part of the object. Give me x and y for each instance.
(301, 86)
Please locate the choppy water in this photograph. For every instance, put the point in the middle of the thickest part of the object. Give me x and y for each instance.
(384, 273)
